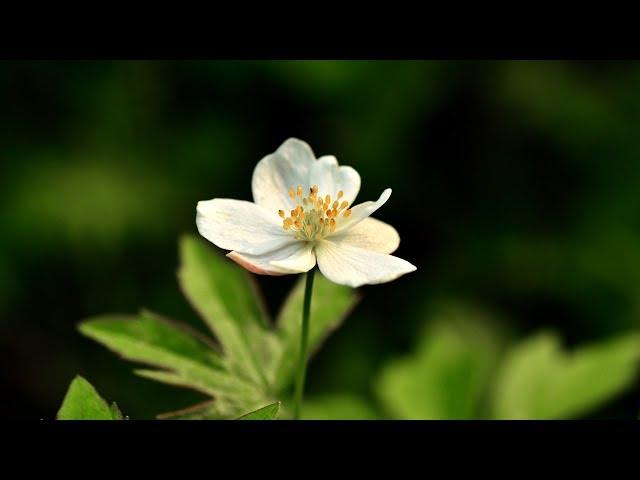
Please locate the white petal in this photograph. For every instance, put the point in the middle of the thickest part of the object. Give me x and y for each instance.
(288, 167)
(241, 225)
(295, 258)
(352, 266)
(362, 211)
(330, 179)
(370, 234)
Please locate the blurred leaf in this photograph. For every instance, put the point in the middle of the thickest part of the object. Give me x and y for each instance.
(82, 402)
(146, 338)
(330, 305)
(116, 412)
(44, 200)
(338, 406)
(539, 380)
(269, 412)
(202, 411)
(255, 365)
(447, 375)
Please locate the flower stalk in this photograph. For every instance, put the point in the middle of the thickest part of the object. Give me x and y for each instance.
(304, 342)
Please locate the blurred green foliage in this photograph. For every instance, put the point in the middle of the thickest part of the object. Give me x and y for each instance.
(514, 188)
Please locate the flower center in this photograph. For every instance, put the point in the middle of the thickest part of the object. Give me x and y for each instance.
(314, 216)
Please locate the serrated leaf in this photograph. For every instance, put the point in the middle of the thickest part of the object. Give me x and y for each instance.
(223, 295)
(187, 360)
(256, 362)
(337, 406)
(447, 375)
(268, 412)
(540, 380)
(330, 304)
(82, 402)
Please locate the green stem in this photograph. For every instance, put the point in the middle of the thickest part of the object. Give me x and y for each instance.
(304, 341)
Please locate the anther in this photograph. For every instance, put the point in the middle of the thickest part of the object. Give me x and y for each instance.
(299, 191)
(340, 194)
(347, 213)
(281, 213)
(291, 193)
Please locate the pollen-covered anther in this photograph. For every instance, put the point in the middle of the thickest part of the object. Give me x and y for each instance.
(313, 216)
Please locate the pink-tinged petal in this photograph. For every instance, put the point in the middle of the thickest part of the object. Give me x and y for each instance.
(370, 234)
(241, 225)
(331, 178)
(295, 258)
(287, 167)
(352, 266)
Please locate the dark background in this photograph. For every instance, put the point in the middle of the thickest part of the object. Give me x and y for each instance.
(515, 187)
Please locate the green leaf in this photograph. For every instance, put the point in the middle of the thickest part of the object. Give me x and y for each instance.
(447, 375)
(82, 402)
(187, 359)
(208, 410)
(330, 305)
(337, 406)
(540, 380)
(269, 412)
(115, 411)
(222, 293)
(253, 364)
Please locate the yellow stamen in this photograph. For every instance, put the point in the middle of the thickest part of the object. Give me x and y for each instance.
(314, 216)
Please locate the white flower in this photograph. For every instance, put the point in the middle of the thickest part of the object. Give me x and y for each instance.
(302, 215)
